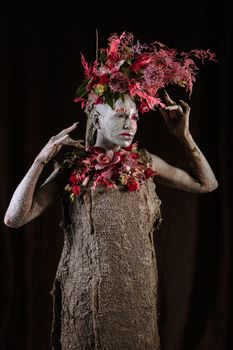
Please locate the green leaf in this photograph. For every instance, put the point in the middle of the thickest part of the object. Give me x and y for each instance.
(126, 71)
(103, 57)
(108, 97)
(116, 95)
(122, 96)
(81, 91)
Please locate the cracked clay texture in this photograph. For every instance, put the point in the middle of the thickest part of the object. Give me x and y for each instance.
(105, 289)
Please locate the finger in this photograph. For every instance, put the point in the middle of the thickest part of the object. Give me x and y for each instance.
(68, 141)
(67, 130)
(168, 115)
(174, 108)
(168, 99)
(164, 114)
(60, 140)
(186, 108)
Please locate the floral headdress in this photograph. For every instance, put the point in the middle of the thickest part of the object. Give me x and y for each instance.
(140, 70)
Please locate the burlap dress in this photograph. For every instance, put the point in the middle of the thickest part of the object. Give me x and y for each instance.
(105, 289)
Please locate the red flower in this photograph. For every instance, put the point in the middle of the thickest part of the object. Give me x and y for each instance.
(144, 108)
(74, 178)
(143, 60)
(133, 185)
(80, 99)
(104, 79)
(149, 173)
(112, 56)
(135, 156)
(76, 190)
(99, 100)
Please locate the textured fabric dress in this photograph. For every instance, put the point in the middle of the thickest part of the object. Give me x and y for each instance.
(105, 289)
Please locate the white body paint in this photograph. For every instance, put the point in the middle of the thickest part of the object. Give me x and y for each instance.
(116, 127)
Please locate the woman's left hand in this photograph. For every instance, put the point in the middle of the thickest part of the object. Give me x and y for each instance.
(176, 116)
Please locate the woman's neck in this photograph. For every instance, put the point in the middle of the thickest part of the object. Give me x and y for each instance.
(106, 144)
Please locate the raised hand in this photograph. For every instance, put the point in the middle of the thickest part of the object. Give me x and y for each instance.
(176, 116)
(56, 142)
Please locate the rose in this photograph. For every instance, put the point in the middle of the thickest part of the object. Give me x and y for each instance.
(76, 190)
(149, 173)
(74, 178)
(133, 185)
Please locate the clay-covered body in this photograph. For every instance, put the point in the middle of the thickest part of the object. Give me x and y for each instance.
(105, 290)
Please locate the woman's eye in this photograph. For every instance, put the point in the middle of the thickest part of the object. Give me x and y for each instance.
(120, 115)
(136, 118)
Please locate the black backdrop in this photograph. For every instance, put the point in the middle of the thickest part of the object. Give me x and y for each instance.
(39, 72)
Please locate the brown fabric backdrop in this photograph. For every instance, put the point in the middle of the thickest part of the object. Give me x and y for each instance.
(40, 71)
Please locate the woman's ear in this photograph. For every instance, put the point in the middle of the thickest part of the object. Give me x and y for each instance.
(96, 120)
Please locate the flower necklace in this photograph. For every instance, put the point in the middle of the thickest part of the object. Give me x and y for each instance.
(94, 167)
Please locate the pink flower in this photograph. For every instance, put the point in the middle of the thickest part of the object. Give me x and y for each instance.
(143, 60)
(80, 99)
(114, 42)
(86, 67)
(118, 82)
(149, 173)
(144, 108)
(107, 174)
(133, 185)
(153, 76)
(106, 159)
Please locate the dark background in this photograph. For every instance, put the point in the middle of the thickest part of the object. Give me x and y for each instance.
(39, 72)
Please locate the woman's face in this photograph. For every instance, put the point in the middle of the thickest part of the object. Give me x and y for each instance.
(118, 125)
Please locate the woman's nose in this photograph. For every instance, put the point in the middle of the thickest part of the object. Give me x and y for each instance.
(128, 123)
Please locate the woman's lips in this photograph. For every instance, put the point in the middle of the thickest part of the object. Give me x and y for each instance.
(126, 134)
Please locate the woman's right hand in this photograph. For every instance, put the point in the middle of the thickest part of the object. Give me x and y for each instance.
(55, 144)
(26, 204)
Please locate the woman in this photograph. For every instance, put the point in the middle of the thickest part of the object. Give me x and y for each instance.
(105, 292)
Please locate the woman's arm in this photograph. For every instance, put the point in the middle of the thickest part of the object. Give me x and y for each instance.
(27, 203)
(201, 177)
